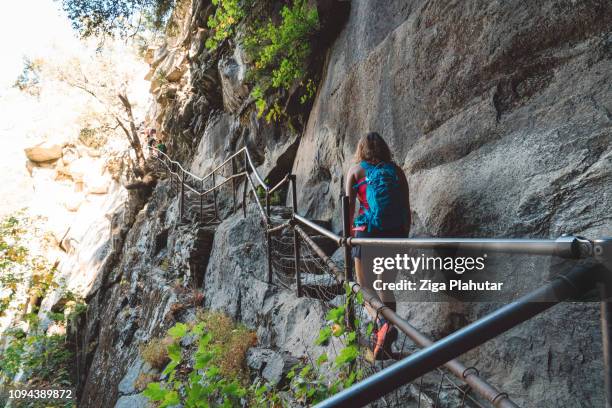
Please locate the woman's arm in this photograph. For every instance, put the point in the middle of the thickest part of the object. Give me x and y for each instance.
(351, 192)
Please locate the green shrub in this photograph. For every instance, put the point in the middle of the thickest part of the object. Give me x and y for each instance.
(310, 384)
(233, 340)
(14, 259)
(275, 198)
(280, 54)
(228, 13)
(45, 360)
(216, 369)
(214, 374)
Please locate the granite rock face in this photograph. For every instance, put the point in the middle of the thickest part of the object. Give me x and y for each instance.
(502, 124)
(500, 114)
(478, 102)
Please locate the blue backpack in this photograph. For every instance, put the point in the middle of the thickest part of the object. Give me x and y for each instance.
(383, 193)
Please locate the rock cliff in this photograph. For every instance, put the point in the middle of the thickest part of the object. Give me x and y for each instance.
(500, 114)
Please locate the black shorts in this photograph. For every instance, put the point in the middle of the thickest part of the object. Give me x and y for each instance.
(356, 250)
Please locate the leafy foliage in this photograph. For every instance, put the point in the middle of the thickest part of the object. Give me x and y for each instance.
(17, 264)
(29, 78)
(41, 356)
(215, 369)
(280, 54)
(119, 17)
(44, 358)
(275, 197)
(308, 382)
(228, 13)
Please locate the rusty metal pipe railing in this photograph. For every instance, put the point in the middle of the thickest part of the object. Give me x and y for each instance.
(565, 246)
(281, 183)
(234, 171)
(577, 282)
(254, 191)
(296, 238)
(254, 169)
(323, 231)
(159, 152)
(227, 180)
(279, 227)
(470, 377)
(243, 150)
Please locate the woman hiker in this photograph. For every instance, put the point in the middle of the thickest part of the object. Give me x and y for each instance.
(381, 187)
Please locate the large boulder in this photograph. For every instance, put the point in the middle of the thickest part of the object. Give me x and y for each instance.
(44, 152)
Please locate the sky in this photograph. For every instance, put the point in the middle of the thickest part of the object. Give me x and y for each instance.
(32, 28)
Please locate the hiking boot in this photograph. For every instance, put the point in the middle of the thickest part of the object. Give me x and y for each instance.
(383, 339)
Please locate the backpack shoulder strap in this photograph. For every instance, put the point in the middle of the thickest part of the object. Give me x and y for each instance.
(367, 167)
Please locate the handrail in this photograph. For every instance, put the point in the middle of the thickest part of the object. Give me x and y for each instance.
(564, 246)
(210, 173)
(486, 390)
(281, 183)
(255, 173)
(175, 162)
(335, 237)
(243, 150)
(433, 354)
(463, 340)
(254, 191)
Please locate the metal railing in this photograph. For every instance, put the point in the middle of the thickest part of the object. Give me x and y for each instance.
(433, 354)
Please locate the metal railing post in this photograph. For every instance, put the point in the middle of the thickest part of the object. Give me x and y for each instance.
(606, 333)
(246, 181)
(268, 238)
(296, 239)
(603, 254)
(348, 261)
(167, 170)
(215, 196)
(202, 202)
(234, 171)
(171, 173)
(182, 199)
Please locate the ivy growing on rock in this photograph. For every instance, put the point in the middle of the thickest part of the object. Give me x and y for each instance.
(223, 22)
(310, 383)
(279, 53)
(210, 375)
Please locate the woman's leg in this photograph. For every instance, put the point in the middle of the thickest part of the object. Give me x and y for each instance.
(387, 296)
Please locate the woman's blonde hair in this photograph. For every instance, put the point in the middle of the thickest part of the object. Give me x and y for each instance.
(373, 148)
